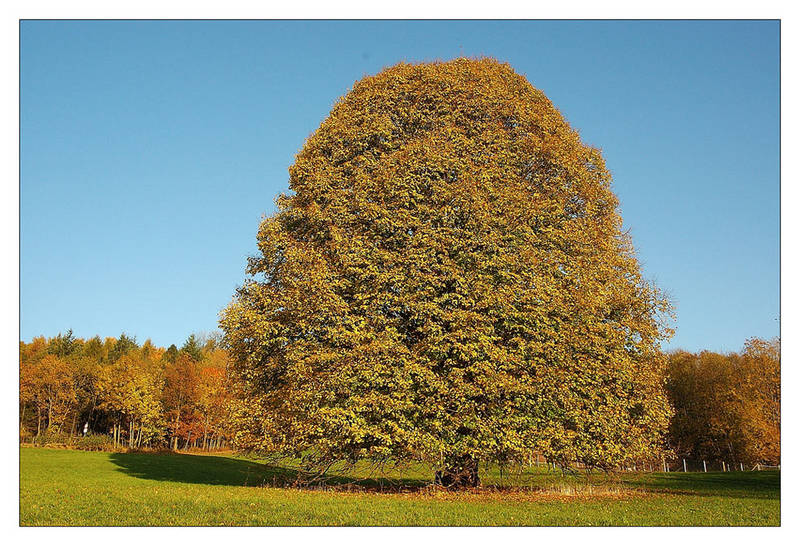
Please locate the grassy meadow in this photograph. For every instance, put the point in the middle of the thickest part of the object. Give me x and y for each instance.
(64, 487)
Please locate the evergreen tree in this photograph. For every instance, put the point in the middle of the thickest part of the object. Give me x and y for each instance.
(193, 348)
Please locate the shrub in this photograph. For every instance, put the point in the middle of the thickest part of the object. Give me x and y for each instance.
(94, 442)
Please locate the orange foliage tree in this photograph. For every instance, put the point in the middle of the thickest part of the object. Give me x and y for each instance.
(727, 406)
(48, 384)
(213, 397)
(180, 397)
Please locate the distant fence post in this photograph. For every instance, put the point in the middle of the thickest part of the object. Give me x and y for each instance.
(741, 466)
(704, 467)
(684, 465)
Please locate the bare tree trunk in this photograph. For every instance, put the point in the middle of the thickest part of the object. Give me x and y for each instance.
(175, 432)
(91, 414)
(72, 429)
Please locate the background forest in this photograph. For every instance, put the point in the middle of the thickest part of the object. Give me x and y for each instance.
(112, 393)
(119, 394)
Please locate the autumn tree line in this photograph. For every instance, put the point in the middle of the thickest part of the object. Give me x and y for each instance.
(726, 407)
(116, 393)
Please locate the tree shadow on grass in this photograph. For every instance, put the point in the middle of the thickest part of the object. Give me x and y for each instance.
(240, 472)
(199, 469)
(755, 485)
(214, 470)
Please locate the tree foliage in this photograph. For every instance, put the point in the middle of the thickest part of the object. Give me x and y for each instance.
(448, 282)
(48, 385)
(130, 390)
(139, 395)
(192, 347)
(121, 347)
(727, 406)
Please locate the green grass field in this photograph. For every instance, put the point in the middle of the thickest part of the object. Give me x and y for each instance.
(61, 487)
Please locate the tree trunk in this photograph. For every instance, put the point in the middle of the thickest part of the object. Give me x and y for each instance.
(459, 473)
(175, 437)
(91, 415)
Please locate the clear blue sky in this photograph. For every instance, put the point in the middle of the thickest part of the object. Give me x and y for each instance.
(150, 151)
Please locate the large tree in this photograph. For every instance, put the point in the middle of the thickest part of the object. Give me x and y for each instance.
(448, 282)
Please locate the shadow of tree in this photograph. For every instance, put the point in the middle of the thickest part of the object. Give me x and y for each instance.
(240, 472)
(759, 485)
(199, 469)
(214, 470)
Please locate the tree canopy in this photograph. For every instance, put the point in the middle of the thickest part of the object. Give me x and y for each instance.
(727, 406)
(448, 281)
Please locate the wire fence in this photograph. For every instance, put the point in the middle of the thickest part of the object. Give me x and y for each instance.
(691, 465)
(668, 465)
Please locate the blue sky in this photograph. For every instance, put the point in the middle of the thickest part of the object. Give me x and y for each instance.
(151, 150)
